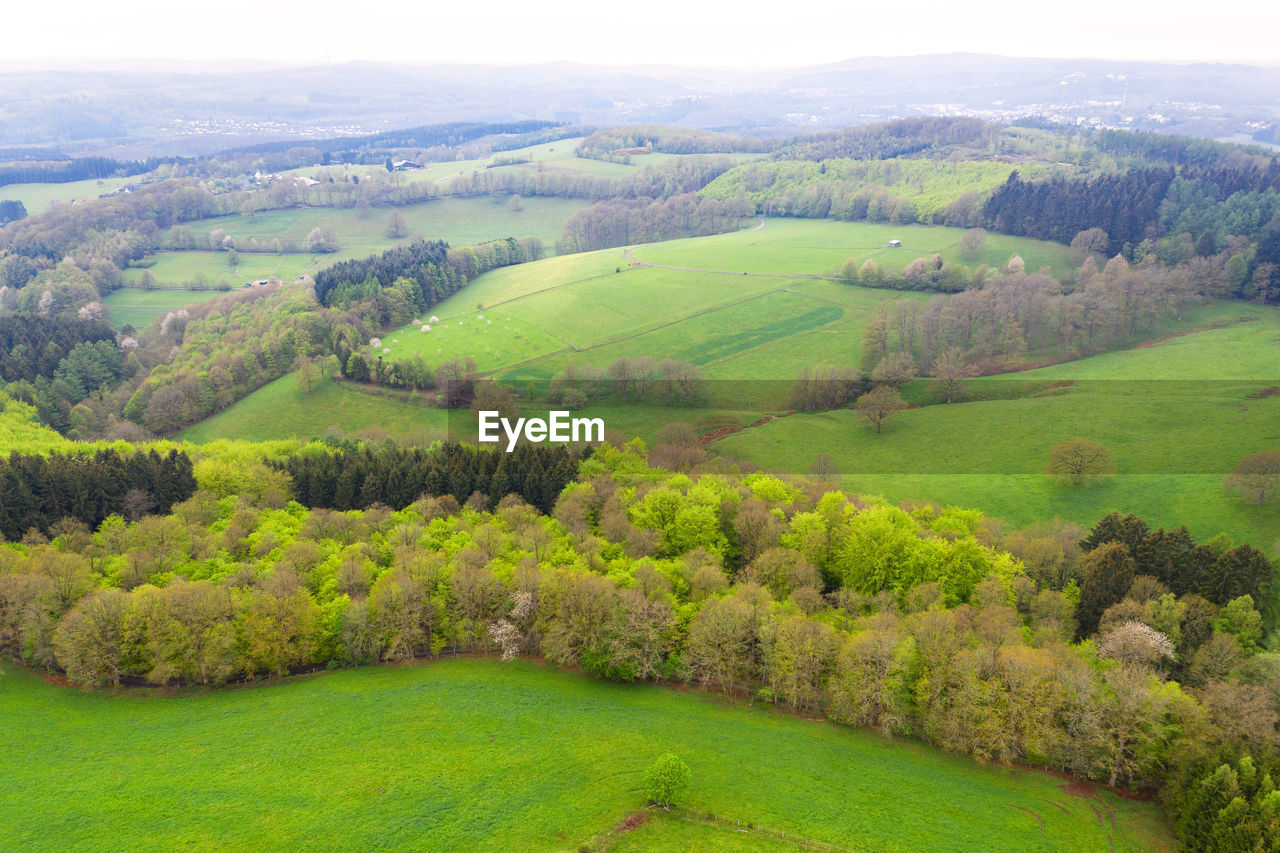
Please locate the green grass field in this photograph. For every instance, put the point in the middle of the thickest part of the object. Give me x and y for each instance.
(460, 222)
(281, 409)
(593, 308)
(37, 197)
(171, 268)
(141, 308)
(1177, 415)
(821, 246)
(480, 755)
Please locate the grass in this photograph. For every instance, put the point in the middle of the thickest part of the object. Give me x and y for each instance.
(590, 309)
(479, 755)
(460, 222)
(281, 409)
(37, 197)
(821, 246)
(141, 308)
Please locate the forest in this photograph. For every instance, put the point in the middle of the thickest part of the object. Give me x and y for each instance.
(920, 621)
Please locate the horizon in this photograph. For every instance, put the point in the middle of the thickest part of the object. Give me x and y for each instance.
(668, 34)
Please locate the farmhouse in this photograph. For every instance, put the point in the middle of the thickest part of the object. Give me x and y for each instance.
(895, 244)
(404, 165)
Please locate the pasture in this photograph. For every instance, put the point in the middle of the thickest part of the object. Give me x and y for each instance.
(282, 409)
(593, 308)
(1176, 415)
(458, 221)
(38, 197)
(141, 308)
(821, 246)
(480, 755)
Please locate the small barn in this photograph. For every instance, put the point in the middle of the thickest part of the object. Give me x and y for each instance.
(895, 244)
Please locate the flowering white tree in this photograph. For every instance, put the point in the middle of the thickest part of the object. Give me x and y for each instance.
(1136, 643)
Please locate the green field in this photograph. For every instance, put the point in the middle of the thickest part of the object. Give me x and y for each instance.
(281, 409)
(37, 197)
(459, 221)
(480, 755)
(1177, 415)
(821, 246)
(591, 309)
(171, 268)
(140, 308)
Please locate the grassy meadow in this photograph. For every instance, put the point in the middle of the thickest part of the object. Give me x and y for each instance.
(480, 755)
(459, 221)
(282, 409)
(141, 308)
(37, 197)
(821, 246)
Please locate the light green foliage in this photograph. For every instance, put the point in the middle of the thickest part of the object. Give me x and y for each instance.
(1239, 619)
(20, 430)
(666, 780)
(883, 548)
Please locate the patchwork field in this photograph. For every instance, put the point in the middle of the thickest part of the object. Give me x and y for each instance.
(1181, 420)
(458, 221)
(480, 755)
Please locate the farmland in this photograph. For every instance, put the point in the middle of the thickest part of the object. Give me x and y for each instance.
(474, 754)
(751, 335)
(282, 409)
(140, 308)
(457, 221)
(37, 197)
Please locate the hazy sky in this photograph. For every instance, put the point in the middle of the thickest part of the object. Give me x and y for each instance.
(682, 32)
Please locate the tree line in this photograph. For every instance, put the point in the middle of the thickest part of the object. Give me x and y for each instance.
(621, 222)
(396, 477)
(42, 491)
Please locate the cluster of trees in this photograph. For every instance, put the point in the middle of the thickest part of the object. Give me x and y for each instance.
(1122, 547)
(899, 190)
(423, 273)
(216, 352)
(54, 362)
(1014, 314)
(614, 143)
(11, 211)
(890, 139)
(61, 171)
(359, 479)
(640, 378)
(621, 222)
(1227, 210)
(906, 620)
(373, 147)
(34, 346)
(42, 492)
